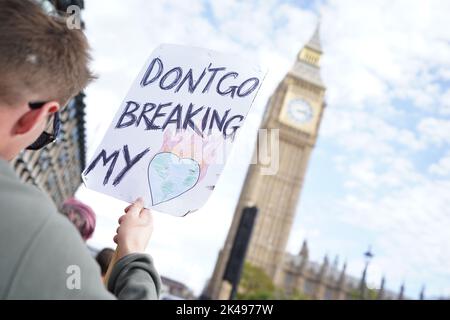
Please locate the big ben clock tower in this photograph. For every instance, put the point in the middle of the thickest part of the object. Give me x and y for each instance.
(295, 108)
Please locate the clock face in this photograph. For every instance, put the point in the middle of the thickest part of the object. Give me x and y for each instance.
(299, 111)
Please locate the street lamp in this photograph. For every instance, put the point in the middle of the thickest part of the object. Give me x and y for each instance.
(368, 255)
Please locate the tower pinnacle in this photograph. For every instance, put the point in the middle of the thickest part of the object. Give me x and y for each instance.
(306, 66)
(314, 42)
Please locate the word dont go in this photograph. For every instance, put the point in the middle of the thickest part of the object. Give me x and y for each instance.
(176, 79)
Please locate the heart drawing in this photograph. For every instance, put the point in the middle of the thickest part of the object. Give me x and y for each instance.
(169, 176)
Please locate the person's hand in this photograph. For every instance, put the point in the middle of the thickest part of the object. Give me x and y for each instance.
(135, 229)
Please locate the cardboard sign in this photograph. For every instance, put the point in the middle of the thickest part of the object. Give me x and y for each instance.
(170, 138)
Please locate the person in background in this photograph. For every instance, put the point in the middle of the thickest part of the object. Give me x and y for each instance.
(104, 258)
(43, 65)
(81, 215)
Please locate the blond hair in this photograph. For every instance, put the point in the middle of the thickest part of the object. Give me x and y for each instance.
(39, 54)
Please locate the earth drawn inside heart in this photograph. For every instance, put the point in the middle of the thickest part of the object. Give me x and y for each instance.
(170, 176)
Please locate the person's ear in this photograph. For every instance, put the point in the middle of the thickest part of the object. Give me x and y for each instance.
(34, 117)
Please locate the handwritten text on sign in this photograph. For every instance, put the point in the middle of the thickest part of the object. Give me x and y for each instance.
(167, 140)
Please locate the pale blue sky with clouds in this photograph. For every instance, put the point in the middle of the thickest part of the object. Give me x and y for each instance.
(380, 172)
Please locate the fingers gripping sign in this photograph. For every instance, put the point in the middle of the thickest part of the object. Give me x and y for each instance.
(134, 232)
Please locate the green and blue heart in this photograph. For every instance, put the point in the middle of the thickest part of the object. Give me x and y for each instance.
(170, 176)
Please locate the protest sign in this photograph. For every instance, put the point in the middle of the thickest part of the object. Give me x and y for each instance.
(171, 136)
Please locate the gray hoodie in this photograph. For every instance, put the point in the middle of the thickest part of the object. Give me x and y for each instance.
(42, 255)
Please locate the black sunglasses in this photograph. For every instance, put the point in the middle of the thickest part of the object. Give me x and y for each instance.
(45, 138)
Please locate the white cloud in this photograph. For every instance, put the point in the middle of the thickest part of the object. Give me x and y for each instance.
(442, 167)
(385, 50)
(435, 131)
(445, 97)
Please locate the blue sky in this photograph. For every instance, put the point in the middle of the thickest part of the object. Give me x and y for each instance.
(380, 172)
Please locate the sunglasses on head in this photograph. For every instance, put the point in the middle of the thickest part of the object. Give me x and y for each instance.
(45, 138)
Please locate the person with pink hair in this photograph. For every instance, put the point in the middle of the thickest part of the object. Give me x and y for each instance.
(81, 215)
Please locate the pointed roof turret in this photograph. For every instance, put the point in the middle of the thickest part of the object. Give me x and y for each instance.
(306, 66)
(380, 295)
(314, 43)
(401, 294)
(304, 251)
(422, 293)
(342, 277)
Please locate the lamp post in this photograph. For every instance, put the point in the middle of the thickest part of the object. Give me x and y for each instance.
(368, 255)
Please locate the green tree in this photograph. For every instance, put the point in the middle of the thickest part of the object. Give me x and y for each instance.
(371, 294)
(255, 284)
(298, 295)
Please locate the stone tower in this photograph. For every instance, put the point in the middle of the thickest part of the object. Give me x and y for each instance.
(295, 108)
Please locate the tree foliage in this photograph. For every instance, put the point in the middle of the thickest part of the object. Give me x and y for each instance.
(255, 284)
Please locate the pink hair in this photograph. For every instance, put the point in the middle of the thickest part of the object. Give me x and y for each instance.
(81, 215)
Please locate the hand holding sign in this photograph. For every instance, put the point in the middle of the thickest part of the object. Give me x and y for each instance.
(171, 136)
(135, 229)
(133, 234)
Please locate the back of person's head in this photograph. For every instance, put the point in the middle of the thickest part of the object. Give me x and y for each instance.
(104, 258)
(39, 55)
(81, 215)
